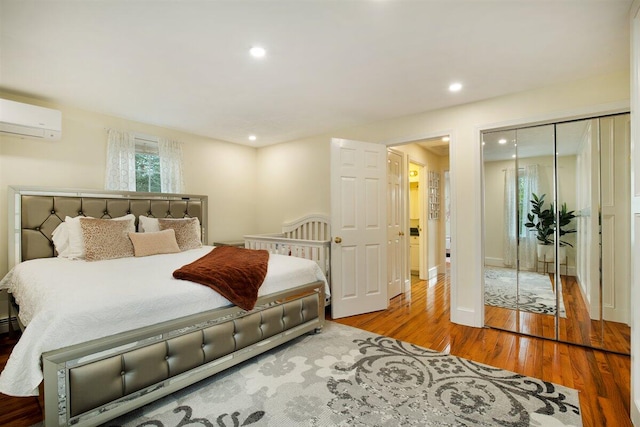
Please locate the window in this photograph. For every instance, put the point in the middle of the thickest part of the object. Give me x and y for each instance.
(136, 162)
(147, 166)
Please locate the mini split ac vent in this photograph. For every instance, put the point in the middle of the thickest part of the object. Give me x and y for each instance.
(29, 121)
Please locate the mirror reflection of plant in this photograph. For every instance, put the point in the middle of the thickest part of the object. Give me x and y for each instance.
(543, 221)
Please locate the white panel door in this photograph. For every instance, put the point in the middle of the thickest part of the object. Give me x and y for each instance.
(615, 187)
(358, 227)
(396, 239)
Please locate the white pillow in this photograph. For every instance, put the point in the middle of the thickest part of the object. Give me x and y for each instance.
(148, 225)
(76, 241)
(60, 237)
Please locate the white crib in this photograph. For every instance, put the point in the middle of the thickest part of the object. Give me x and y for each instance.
(307, 237)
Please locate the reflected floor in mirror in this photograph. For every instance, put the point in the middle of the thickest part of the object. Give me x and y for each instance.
(577, 327)
(535, 292)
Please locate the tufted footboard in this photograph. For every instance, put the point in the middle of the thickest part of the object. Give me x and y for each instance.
(94, 382)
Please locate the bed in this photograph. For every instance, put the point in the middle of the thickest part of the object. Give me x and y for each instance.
(307, 237)
(100, 358)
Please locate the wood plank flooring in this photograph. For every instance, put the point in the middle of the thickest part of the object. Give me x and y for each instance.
(603, 379)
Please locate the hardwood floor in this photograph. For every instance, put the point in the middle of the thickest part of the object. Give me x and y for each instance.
(603, 379)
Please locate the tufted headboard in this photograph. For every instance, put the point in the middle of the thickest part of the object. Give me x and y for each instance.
(34, 213)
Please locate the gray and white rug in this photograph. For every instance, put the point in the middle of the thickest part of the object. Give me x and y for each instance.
(535, 291)
(348, 377)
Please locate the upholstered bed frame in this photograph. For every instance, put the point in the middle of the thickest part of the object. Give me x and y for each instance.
(93, 382)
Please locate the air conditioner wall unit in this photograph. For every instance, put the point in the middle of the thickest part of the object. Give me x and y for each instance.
(29, 121)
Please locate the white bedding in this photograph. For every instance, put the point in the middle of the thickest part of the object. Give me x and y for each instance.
(65, 302)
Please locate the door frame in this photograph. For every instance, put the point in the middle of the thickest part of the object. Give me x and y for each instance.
(635, 210)
(453, 284)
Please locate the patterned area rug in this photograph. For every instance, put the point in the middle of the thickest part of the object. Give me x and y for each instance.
(348, 377)
(536, 292)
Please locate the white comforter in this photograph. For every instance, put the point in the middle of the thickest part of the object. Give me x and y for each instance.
(65, 302)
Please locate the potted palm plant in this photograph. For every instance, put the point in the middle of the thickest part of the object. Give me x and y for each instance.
(543, 221)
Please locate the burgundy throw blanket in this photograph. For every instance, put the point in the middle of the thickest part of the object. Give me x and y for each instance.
(235, 273)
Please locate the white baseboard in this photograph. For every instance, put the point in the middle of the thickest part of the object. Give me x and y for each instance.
(465, 316)
(4, 325)
(498, 262)
(494, 262)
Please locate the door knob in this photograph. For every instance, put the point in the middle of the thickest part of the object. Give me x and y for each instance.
(338, 240)
(400, 233)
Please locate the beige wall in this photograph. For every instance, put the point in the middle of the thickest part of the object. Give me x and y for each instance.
(293, 181)
(223, 171)
(464, 123)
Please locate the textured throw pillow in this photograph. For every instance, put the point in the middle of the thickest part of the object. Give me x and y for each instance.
(76, 239)
(159, 242)
(187, 231)
(105, 239)
(147, 224)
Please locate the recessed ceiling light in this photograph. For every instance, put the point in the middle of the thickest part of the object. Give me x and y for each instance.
(445, 139)
(252, 138)
(502, 141)
(513, 156)
(257, 52)
(455, 87)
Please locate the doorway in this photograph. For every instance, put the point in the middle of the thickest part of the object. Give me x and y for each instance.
(416, 220)
(427, 208)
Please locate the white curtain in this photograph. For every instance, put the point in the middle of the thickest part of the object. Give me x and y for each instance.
(528, 241)
(170, 153)
(121, 161)
(514, 223)
(510, 235)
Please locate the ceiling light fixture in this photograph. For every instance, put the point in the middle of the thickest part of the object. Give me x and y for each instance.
(257, 52)
(445, 139)
(502, 141)
(455, 87)
(252, 138)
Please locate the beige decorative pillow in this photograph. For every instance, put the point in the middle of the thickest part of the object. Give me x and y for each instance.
(187, 231)
(153, 243)
(105, 239)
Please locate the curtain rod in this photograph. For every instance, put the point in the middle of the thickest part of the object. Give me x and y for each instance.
(138, 135)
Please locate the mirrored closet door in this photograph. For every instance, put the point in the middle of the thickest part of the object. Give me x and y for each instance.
(556, 225)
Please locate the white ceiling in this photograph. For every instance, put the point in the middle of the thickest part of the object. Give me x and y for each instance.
(329, 64)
